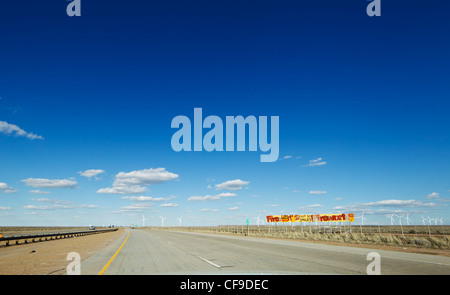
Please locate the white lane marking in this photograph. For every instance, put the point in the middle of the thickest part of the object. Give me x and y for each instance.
(170, 243)
(207, 261)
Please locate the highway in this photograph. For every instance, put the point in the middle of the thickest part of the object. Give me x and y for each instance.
(144, 252)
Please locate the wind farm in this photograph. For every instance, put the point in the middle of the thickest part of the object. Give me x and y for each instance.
(431, 233)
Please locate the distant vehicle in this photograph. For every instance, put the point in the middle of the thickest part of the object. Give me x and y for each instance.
(91, 227)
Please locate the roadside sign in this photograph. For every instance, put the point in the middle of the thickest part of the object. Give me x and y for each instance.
(246, 222)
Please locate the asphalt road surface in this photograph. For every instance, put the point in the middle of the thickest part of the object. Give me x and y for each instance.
(142, 251)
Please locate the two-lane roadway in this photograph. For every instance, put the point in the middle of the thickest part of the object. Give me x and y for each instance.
(144, 251)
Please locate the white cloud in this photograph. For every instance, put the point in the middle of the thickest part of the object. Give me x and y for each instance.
(5, 208)
(311, 206)
(11, 129)
(287, 157)
(39, 192)
(135, 181)
(54, 204)
(433, 195)
(236, 184)
(209, 210)
(136, 207)
(91, 172)
(316, 162)
(144, 177)
(233, 208)
(6, 188)
(144, 198)
(50, 183)
(317, 192)
(123, 190)
(398, 203)
(393, 203)
(211, 197)
(169, 205)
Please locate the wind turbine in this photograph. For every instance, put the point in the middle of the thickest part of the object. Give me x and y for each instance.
(362, 221)
(400, 221)
(143, 220)
(423, 220)
(179, 220)
(162, 220)
(257, 219)
(392, 219)
(362, 218)
(407, 219)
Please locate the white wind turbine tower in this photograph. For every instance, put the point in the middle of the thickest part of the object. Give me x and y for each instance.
(392, 219)
(162, 220)
(429, 223)
(257, 220)
(407, 219)
(143, 220)
(362, 221)
(400, 221)
(442, 224)
(179, 220)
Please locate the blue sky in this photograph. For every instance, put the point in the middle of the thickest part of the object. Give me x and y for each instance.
(362, 101)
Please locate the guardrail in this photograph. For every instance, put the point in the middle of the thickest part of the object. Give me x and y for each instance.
(50, 236)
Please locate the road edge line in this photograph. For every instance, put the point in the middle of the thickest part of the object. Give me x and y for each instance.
(114, 256)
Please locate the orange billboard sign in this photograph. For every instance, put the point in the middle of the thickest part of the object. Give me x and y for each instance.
(349, 217)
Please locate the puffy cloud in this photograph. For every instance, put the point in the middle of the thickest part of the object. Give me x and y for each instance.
(317, 192)
(50, 183)
(211, 197)
(134, 182)
(11, 129)
(144, 177)
(6, 188)
(136, 189)
(236, 184)
(91, 172)
(433, 195)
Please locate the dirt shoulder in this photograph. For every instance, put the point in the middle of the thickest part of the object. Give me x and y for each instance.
(50, 257)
